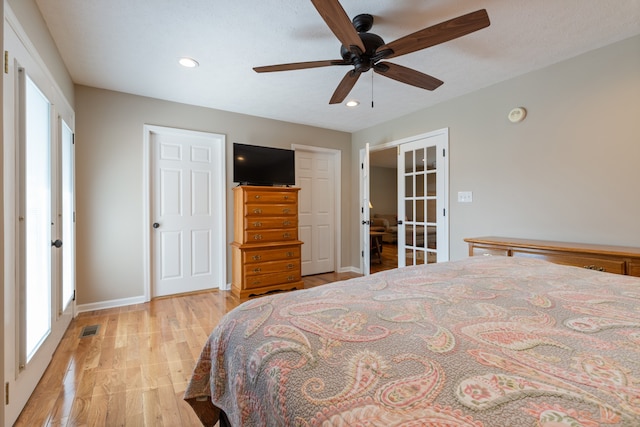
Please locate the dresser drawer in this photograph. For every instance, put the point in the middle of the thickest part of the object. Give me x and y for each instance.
(599, 264)
(259, 196)
(266, 255)
(633, 268)
(290, 266)
(252, 223)
(259, 281)
(488, 251)
(260, 210)
(263, 236)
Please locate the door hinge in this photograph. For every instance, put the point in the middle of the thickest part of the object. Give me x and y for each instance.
(74, 295)
(443, 153)
(73, 139)
(444, 212)
(361, 254)
(6, 394)
(6, 62)
(362, 166)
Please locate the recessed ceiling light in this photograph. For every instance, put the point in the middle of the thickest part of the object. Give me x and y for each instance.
(188, 62)
(353, 103)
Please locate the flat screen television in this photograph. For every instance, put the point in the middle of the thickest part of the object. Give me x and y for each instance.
(255, 165)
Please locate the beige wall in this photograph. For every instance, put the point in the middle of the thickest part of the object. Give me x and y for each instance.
(109, 160)
(570, 171)
(34, 25)
(383, 190)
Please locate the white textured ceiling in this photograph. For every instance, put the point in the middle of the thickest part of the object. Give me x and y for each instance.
(133, 46)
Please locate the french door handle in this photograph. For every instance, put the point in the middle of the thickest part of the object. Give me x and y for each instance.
(400, 222)
(57, 243)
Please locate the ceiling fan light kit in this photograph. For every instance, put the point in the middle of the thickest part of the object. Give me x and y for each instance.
(365, 51)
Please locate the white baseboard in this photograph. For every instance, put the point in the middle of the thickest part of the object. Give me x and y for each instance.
(81, 308)
(350, 269)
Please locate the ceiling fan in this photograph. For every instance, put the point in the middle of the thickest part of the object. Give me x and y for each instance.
(365, 51)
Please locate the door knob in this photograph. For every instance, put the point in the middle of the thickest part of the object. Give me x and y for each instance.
(156, 225)
(57, 243)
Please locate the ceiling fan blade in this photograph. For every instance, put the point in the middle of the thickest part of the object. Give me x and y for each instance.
(338, 21)
(407, 75)
(345, 86)
(436, 34)
(299, 65)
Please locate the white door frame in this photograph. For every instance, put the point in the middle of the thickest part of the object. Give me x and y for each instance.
(147, 196)
(364, 190)
(337, 170)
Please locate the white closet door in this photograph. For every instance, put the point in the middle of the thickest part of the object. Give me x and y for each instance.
(315, 176)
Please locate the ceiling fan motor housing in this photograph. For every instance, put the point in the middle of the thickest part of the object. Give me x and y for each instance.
(363, 61)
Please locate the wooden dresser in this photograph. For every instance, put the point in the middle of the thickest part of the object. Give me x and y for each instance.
(266, 249)
(612, 259)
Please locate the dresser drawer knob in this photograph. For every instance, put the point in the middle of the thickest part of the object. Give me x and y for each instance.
(256, 257)
(257, 196)
(257, 211)
(286, 197)
(290, 266)
(286, 210)
(286, 235)
(595, 267)
(257, 224)
(289, 254)
(291, 278)
(257, 237)
(256, 282)
(286, 223)
(257, 270)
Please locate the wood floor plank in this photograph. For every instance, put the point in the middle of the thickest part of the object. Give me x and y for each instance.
(135, 370)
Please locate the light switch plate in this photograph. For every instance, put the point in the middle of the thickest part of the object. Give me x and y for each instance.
(465, 196)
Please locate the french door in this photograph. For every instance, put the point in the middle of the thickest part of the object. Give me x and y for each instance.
(39, 221)
(422, 205)
(422, 200)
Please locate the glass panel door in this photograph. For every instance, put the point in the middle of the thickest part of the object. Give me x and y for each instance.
(422, 224)
(35, 217)
(67, 212)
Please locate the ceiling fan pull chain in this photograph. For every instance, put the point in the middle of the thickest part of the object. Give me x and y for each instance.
(371, 90)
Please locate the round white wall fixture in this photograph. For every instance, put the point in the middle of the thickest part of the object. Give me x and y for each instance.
(517, 114)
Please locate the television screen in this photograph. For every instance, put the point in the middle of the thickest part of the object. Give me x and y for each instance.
(255, 165)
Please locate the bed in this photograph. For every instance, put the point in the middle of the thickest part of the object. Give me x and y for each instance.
(485, 341)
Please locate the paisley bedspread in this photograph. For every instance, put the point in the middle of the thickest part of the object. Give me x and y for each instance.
(485, 341)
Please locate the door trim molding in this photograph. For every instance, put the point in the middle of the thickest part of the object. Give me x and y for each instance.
(221, 202)
(337, 170)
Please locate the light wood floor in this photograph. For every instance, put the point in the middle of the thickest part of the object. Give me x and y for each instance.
(135, 370)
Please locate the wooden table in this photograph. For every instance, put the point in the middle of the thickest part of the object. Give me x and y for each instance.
(375, 244)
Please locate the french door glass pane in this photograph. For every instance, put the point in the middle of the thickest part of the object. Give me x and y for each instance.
(67, 216)
(37, 217)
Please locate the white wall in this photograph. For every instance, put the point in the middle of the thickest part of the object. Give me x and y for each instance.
(569, 172)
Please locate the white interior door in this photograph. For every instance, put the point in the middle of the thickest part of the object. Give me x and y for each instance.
(315, 176)
(36, 314)
(422, 200)
(365, 213)
(188, 236)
